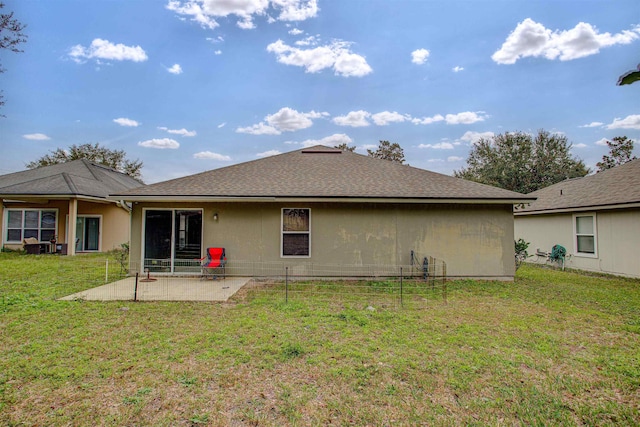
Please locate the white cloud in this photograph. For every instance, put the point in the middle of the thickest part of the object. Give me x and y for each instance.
(126, 122)
(175, 69)
(336, 55)
(629, 122)
(353, 119)
(465, 118)
(438, 146)
(386, 117)
(104, 49)
(454, 159)
(307, 41)
(427, 120)
(36, 136)
(419, 56)
(474, 137)
(217, 52)
(208, 155)
(530, 38)
(268, 153)
(580, 145)
(182, 132)
(288, 119)
(295, 32)
(161, 144)
(195, 10)
(221, 125)
(601, 142)
(435, 160)
(592, 125)
(285, 120)
(205, 12)
(457, 69)
(329, 141)
(259, 129)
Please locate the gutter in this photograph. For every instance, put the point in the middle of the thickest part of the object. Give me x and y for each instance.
(579, 209)
(299, 199)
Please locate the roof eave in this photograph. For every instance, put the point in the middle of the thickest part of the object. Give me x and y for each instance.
(38, 198)
(303, 199)
(579, 209)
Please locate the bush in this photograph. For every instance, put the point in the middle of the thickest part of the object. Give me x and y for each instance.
(521, 251)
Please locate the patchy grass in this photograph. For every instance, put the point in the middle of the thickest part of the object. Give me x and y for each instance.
(552, 348)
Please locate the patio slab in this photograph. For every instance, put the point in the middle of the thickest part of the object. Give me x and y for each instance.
(164, 289)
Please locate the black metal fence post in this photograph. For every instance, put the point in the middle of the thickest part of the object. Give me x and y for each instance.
(286, 284)
(135, 289)
(401, 290)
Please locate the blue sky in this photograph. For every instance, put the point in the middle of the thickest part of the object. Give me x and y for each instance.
(188, 86)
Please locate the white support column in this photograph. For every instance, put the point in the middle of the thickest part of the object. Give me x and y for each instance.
(71, 227)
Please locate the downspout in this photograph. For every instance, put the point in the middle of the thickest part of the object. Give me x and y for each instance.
(122, 204)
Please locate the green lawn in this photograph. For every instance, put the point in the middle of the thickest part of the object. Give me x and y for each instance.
(553, 348)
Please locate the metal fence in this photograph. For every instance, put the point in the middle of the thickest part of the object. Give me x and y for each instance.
(107, 279)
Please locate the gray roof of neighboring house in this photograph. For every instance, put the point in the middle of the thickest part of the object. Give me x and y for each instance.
(320, 172)
(612, 187)
(78, 178)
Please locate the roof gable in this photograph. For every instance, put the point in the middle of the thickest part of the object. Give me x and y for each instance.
(615, 186)
(76, 178)
(320, 172)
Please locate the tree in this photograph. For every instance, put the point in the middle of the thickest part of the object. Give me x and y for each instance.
(521, 162)
(620, 150)
(345, 147)
(388, 151)
(11, 36)
(114, 159)
(629, 77)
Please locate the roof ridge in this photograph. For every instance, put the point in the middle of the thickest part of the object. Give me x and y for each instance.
(69, 182)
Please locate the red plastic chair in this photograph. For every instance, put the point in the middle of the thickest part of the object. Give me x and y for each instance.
(214, 260)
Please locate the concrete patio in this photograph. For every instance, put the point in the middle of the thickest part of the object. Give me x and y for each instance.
(164, 289)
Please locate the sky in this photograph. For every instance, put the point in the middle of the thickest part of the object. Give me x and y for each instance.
(192, 85)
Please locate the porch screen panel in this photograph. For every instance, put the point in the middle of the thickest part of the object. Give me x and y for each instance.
(187, 240)
(157, 240)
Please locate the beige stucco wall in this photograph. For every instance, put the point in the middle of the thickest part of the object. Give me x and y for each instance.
(114, 221)
(617, 239)
(473, 240)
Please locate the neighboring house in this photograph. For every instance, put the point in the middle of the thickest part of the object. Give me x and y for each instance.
(321, 207)
(596, 219)
(40, 203)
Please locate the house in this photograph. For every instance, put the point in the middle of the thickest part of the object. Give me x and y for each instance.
(40, 203)
(322, 206)
(596, 219)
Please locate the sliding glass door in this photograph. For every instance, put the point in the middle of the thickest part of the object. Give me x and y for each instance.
(172, 240)
(87, 233)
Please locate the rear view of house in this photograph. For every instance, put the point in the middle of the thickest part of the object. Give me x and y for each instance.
(596, 218)
(39, 204)
(321, 206)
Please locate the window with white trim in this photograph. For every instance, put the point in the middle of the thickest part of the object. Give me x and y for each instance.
(585, 234)
(296, 232)
(25, 223)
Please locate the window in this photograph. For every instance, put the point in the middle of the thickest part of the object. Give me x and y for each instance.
(585, 234)
(25, 223)
(296, 232)
(87, 233)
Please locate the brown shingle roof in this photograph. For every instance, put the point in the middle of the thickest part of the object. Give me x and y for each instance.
(615, 186)
(76, 178)
(320, 172)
